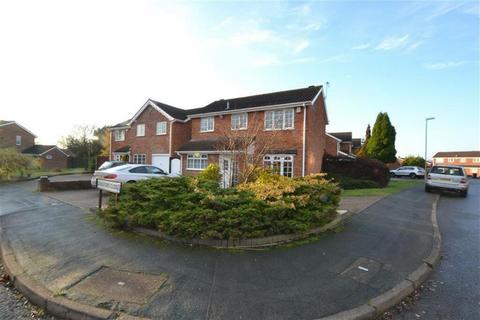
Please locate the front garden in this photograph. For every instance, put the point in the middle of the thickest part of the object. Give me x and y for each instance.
(197, 208)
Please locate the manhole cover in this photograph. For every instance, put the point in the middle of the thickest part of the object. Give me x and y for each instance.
(121, 286)
(362, 270)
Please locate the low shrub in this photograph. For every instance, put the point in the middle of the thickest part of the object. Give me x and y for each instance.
(348, 183)
(194, 208)
(350, 172)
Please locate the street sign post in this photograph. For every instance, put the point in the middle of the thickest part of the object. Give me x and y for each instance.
(110, 186)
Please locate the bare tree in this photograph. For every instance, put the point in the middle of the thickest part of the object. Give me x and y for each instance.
(247, 147)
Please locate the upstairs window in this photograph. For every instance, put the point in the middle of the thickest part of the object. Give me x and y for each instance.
(279, 119)
(18, 140)
(206, 124)
(451, 159)
(463, 160)
(140, 130)
(476, 159)
(439, 160)
(119, 135)
(239, 121)
(161, 128)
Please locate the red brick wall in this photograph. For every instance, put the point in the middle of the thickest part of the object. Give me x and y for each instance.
(8, 137)
(117, 144)
(331, 146)
(276, 139)
(181, 133)
(470, 165)
(315, 138)
(58, 161)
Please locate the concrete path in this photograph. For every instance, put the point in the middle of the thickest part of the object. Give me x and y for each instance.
(453, 290)
(67, 250)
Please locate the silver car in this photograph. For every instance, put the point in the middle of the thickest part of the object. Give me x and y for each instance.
(408, 171)
(448, 178)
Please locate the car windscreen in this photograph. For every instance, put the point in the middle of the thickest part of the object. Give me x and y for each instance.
(451, 171)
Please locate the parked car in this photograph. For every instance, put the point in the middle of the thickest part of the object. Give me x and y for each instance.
(449, 178)
(129, 173)
(408, 171)
(106, 165)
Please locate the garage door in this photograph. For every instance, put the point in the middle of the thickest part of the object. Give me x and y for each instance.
(161, 161)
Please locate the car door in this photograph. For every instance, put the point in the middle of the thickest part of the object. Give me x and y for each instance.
(401, 171)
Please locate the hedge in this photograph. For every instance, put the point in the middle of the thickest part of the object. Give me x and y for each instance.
(190, 208)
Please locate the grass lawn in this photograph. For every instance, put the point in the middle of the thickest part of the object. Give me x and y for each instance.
(40, 172)
(393, 187)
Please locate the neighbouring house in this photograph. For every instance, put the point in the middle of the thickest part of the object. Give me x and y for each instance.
(346, 146)
(469, 160)
(288, 129)
(14, 135)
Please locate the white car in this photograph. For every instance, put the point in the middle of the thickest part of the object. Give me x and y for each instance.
(129, 173)
(449, 178)
(408, 171)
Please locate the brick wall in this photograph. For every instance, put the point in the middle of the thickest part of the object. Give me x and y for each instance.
(315, 138)
(8, 137)
(331, 146)
(58, 160)
(212, 158)
(181, 133)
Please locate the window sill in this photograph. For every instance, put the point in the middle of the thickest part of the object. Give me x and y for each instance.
(192, 169)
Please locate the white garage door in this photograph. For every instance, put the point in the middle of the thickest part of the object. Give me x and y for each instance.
(161, 161)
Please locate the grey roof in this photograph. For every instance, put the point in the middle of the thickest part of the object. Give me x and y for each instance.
(454, 154)
(174, 112)
(260, 100)
(38, 149)
(201, 145)
(356, 142)
(121, 124)
(344, 136)
(123, 149)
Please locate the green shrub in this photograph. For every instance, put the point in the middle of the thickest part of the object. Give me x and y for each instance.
(13, 163)
(348, 183)
(194, 208)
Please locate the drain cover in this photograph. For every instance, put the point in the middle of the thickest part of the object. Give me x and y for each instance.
(122, 286)
(362, 270)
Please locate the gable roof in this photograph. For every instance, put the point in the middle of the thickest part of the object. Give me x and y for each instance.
(6, 123)
(344, 136)
(40, 149)
(174, 112)
(260, 100)
(453, 154)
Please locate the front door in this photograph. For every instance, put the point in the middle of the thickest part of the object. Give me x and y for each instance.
(226, 171)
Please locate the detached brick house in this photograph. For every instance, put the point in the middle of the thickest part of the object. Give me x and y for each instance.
(341, 144)
(469, 160)
(14, 135)
(290, 123)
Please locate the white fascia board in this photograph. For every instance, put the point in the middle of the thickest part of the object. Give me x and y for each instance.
(261, 108)
(147, 104)
(55, 147)
(14, 122)
(328, 134)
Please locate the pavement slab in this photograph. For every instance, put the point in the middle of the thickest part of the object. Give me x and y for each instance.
(61, 245)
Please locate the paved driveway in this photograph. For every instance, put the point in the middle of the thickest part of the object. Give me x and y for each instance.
(60, 246)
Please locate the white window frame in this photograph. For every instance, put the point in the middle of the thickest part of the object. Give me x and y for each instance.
(197, 158)
(48, 157)
(451, 159)
(18, 140)
(476, 160)
(281, 159)
(141, 130)
(279, 113)
(207, 128)
(119, 135)
(161, 128)
(239, 121)
(140, 158)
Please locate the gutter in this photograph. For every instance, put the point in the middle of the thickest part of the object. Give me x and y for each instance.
(304, 131)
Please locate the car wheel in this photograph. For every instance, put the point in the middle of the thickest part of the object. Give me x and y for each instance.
(131, 181)
(412, 175)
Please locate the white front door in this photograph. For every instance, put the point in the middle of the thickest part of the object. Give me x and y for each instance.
(161, 161)
(226, 170)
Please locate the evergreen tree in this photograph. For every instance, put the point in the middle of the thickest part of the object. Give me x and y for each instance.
(381, 144)
(362, 151)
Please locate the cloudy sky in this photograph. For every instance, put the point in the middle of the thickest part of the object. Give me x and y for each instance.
(66, 63)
